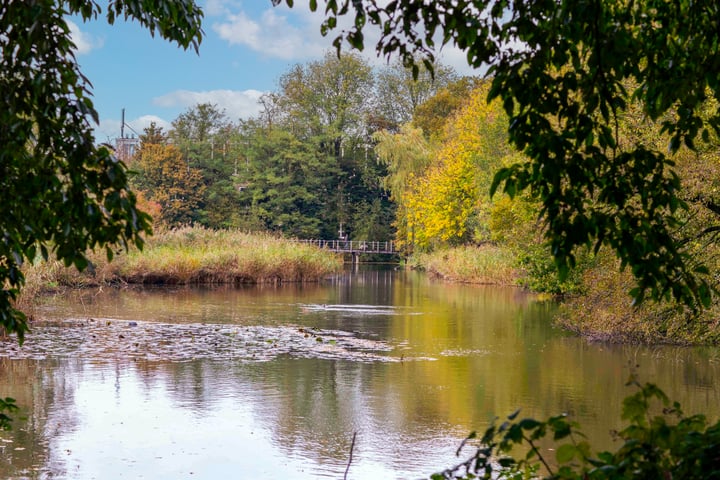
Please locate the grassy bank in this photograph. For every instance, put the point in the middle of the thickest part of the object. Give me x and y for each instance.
(486, 264)
(596, 304)
(193, 256)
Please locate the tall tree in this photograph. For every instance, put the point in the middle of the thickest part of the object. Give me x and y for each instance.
(450, 202)
(399, 92)
(327, 103)
(432, 115)
(199, 124)
(561, 69)
(209, 142)
(442, 188)
(286, 183)
(60, 193)
(153, 135)
(406, 155)
(165, 178)
(328, 98)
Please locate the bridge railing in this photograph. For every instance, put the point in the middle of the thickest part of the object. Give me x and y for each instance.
(354, 246)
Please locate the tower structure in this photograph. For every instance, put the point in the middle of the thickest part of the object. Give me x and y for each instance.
(125, 146)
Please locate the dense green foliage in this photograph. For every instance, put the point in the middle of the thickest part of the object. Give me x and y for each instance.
(565, 72)
(658, 442)
(305, 167)
(60, 193)
(287, 184)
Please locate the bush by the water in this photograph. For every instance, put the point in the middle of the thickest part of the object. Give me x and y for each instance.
(606, 312)
(492, 264)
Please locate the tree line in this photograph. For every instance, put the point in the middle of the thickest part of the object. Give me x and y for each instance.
(304, 167)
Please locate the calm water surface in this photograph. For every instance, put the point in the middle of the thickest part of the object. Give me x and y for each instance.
(272, 382)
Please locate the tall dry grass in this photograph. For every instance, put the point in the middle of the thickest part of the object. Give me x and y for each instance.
(198, 255)
(485, 264)
(192, 255)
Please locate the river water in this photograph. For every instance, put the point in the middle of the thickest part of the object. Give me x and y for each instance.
(273, 382)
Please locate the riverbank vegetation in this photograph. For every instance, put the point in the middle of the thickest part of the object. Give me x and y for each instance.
(487, 265)
(191, 255)
(449, 225)
(383, 157)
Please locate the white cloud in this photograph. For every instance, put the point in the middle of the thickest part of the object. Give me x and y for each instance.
(138, 125)
(214, 7)
(294, 34)
(276, 33)
(454, 57)
(237, 104)
(84, 42)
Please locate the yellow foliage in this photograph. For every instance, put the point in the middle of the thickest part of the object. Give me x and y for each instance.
(446, 203)
(165, 178)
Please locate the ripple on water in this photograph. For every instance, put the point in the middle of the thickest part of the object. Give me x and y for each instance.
(356, 309)
(112, 339)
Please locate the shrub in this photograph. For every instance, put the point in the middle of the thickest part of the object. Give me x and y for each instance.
(658, 443)
(541, 274)
(606, 312)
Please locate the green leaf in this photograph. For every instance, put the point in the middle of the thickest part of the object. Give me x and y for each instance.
(565, 453)
(529, 423)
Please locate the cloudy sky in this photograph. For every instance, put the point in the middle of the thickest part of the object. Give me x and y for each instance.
(248, 44)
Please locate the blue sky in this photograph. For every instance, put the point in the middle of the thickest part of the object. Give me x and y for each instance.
(247, 46)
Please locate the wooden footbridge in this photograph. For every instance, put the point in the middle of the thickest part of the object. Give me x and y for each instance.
(355, 247)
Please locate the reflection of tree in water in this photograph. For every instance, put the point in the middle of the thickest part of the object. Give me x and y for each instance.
(317, 405)
(45, 392)
(311, 407)
(493, 353)
(195, 385)
(237, 304)
(314, 411)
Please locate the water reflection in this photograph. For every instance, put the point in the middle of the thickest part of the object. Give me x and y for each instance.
(462, 356)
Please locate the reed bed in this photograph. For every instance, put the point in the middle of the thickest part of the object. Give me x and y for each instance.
(485, 264)
(194, 255)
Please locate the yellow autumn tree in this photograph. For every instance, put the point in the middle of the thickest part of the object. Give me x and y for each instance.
(449, 203)
(406, 154)
(165, 177)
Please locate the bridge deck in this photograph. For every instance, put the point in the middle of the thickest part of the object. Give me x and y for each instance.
(354, 246)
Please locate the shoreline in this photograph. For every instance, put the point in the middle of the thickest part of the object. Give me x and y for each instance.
(599, 311)
(189, 256)
(197, 256)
